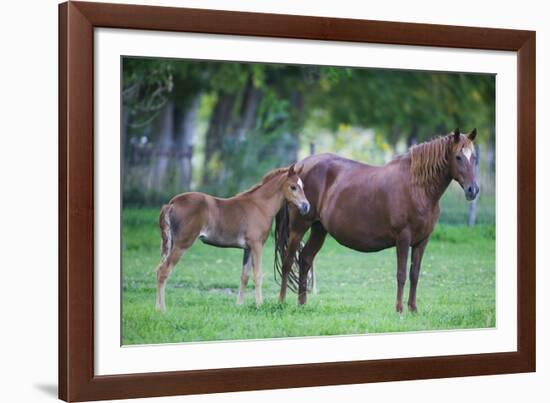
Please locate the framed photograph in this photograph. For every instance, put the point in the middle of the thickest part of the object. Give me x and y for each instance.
(336, 201)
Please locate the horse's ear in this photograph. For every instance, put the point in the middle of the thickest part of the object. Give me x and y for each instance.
(291, 170)
(298, 169)
(472, 134)
(456, 135)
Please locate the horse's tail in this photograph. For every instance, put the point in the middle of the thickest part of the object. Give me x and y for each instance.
(165, 231)
(282, 232)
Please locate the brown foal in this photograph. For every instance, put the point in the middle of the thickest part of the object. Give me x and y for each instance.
(370, 208)
(242, 221)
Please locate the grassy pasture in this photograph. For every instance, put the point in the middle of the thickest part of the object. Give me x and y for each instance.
(356, 290)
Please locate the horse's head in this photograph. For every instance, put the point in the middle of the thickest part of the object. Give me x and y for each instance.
(293, 190)
(462, 162)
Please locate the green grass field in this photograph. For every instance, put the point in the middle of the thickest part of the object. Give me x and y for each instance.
(356, 291)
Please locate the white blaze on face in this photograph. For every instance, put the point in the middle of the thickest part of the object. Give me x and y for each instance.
(468, 151)
(300, 183)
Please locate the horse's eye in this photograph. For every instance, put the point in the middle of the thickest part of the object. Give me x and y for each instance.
(292, 187)
(458, 158)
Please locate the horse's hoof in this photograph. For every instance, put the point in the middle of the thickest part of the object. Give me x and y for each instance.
(413, 309)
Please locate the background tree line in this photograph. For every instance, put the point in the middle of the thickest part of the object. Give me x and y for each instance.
(218, 127)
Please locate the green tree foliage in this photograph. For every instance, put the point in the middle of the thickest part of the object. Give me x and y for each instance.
(410, 105)
(147, 84)
(253, 117)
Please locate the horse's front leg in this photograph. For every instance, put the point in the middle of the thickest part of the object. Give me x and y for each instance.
(312, 247)
(244, 275)
(414, 273)
(256, 252)
(402, 248)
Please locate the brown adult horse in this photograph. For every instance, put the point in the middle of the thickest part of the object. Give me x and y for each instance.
(370, 208)
(242, 221)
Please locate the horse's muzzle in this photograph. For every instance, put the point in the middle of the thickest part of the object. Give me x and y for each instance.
(304, 208)
(471, 191)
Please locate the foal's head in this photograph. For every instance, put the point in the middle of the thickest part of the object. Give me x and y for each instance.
(462, 162)
(293, 190)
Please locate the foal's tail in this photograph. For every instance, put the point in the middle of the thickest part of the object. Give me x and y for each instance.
(282, 232)
(165, 231)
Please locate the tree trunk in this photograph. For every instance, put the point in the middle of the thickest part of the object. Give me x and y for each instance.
(285, 146)
(249, 110)
(232, 119)
(220, 120)
(247, 119)
(125, 121)
(124, 124)
(412, 138)
(312, 147)
(297, 104)
(163, 148)
(185, 124)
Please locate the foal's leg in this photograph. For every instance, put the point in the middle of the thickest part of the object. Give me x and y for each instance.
(247, 262)
(163, 271)
(256, 250)
(402, 247)
(414, 273)
(312, 247)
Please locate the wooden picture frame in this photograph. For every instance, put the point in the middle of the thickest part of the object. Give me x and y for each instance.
(77, 21)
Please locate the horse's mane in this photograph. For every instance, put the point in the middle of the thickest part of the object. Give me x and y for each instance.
(266, 178)
(429, 161)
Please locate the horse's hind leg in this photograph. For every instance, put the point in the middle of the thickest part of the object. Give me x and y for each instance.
(402, 247)
(414, 273)
(163, 271)
(312, 247)
(247, 263)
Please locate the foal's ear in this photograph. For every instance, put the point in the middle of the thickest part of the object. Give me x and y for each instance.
(298, 169)
(456, 135)
(472, 134)
(291, 170)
